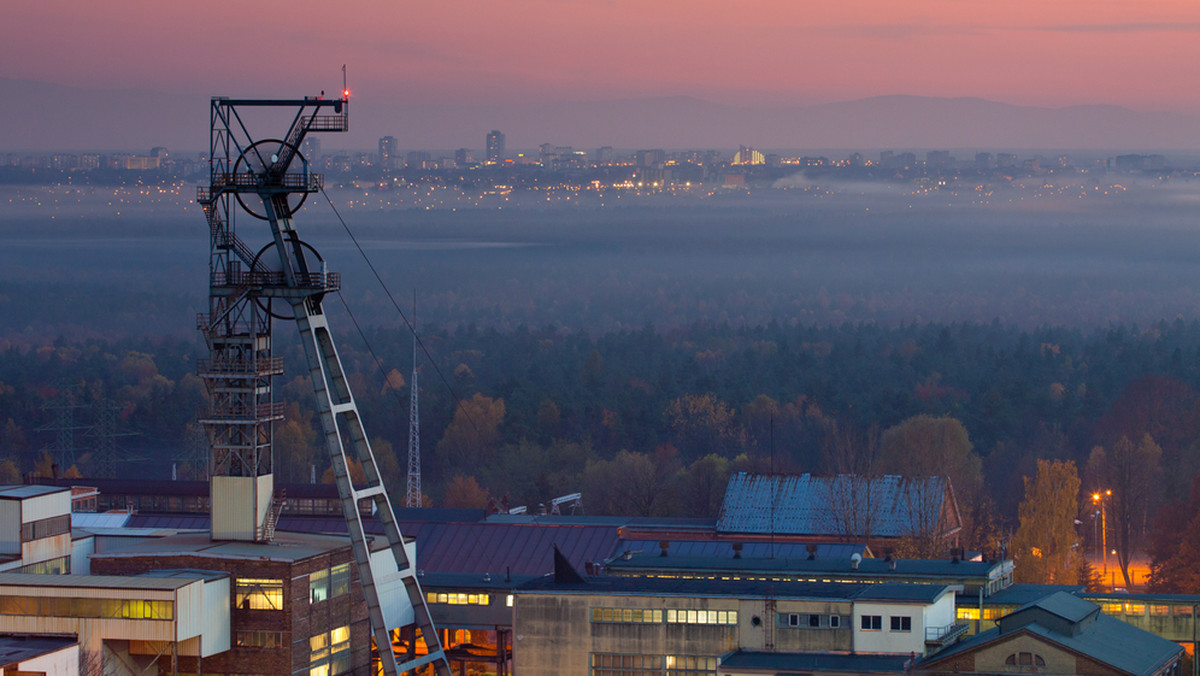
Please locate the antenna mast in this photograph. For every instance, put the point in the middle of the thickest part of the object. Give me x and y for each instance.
(414, 428)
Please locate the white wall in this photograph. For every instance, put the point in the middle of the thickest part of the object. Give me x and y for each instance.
(63, 662)
(10, 526)
(885, 640)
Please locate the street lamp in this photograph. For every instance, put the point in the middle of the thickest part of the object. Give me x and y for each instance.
(1100, 499)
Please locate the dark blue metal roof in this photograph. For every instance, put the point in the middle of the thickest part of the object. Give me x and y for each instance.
(813, 662)
(496, 548)
(750, 550)
(808, 505)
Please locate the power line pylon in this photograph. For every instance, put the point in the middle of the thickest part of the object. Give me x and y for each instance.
(285, 278)
(62, 449)
(105, 432)
(414, 432)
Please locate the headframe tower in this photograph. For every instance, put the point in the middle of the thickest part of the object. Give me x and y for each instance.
(283, 277)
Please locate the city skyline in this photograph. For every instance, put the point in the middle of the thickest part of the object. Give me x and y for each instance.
(443, 63)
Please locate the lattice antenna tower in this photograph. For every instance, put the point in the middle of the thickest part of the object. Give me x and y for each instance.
(283, 277)
(63, 406)
(414, 429)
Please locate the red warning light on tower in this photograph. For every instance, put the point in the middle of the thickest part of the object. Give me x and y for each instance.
(345, 93)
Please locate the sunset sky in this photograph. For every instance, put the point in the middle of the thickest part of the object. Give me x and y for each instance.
(1145, 55)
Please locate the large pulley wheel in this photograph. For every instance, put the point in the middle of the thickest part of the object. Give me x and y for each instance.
(259, 162)
(263, 260)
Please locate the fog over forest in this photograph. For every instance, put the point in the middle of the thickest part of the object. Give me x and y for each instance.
(80, 262)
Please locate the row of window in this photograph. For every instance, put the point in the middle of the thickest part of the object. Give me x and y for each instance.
(258, 639)
(328, 583)
(459, 599)
(658, 615)
(44, 528)
(59, 606)
(250, 593)
(59, 566)
(1112, 609)
(652, 665)
(1141, 609)
(329, 652)
(875, 623)
(810, 621)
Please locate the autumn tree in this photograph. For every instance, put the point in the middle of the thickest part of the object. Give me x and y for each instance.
(464, 492)
(922, 447)
(631, 484)
(1174, 546)
(298, 448)
(1045, 545)
(1132, 473)
(10, 473)
(472, 435)
(701, 424)
(852, 456)
(702, 486)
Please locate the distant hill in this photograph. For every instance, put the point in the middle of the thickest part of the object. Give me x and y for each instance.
(46, 116)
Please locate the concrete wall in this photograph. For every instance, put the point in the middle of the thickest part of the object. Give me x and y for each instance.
(804, 637)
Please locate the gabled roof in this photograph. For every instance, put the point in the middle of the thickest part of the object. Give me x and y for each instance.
(1060, 611)
(1099, 637)
(808, 505)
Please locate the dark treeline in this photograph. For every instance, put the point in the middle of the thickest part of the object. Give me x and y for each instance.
(546, 412)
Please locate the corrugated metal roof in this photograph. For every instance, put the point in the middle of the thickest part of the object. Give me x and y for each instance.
(93, 581)
(808, 505)
(525, 549)
(21, 492)
(99, 520)
(497, 548)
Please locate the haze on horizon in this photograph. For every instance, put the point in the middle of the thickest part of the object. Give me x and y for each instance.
(460, 55)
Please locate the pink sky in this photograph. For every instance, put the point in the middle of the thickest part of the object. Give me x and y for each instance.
(1144, 55)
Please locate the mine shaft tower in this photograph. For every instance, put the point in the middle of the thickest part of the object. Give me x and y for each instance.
(282, 277)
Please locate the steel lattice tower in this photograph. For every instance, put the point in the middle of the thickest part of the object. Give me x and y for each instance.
(286, 279)
(414, 435)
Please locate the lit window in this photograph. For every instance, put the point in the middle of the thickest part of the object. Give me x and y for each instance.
(258, 594)
(318, 585)
(339, 580)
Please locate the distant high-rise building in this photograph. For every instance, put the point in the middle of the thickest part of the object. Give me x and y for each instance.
(655, 158)
(387, 152)
(1006, 160)
(746, 155)
(418, 159)
(495, 146)
(462, 157)
(604, 155)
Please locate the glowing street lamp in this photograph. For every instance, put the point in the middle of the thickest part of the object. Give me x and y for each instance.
(1100, 499)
